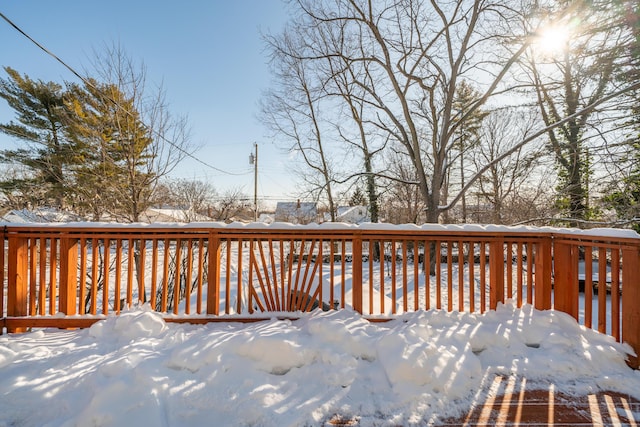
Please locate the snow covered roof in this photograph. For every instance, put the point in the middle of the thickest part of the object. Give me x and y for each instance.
(353, 214)
(296, 212)
(172, 215)
(39, 215)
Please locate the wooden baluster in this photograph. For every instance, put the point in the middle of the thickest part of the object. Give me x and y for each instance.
(17, 280)
(496, 273)
(213, 275)
(543, 269)
(630, 299)
(357, 272)
(68, 275)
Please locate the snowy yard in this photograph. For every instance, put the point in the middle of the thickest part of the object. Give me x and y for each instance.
(137, 370)
(423, 366)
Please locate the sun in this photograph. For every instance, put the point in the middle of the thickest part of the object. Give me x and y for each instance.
(552, 40)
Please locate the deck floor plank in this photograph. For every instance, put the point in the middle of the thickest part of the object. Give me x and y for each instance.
(510, 401)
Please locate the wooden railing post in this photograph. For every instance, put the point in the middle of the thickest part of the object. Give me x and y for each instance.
(565, 280)
(2, 276)
(631, 302)
(68, 275)
(357, 272)
(542, 277)
(213, 275)
(496, 273)
(18, 279)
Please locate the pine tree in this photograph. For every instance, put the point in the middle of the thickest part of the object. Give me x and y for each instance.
(468, 126)
(111, 152)
(39, 109)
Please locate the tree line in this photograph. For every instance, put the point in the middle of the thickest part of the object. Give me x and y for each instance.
(488, 111)
(463, 110)
(100, 148)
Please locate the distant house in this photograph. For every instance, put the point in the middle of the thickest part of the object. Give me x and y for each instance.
(350, 215)
(266, 218)
(296, 212)
(39, 215)
(165, 214)
(353, 214)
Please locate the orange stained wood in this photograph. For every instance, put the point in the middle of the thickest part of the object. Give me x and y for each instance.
(68, 269)
(512, 401)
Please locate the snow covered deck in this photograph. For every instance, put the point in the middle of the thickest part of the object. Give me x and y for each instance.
(73, 275)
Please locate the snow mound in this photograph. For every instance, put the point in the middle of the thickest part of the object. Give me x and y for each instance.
(135, 369)
(130, 325)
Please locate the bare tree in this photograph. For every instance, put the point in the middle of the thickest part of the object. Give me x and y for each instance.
(294, 112)
(575, 70)
(150, 140)
(194, 197)
(512, 176)
(403, 202)
(230, 204)
(406, 58)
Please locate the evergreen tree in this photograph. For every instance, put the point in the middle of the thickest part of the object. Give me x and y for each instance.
(39, 109)
(111, 152)
(358, 198)
(468, 122)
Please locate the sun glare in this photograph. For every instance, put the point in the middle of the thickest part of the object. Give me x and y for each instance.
(552, 40)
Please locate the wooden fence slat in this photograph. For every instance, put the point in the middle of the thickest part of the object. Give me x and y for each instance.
(602, 290)
(239, 295)
(53, 285)
(33, 286)
(154, 273)
(93, 308)
(83, 276)
(213, 275)
(118, 277)
(630, 306)
(450, 276)
(394, 295)
(437, 254)
(615, 294)
(106, 269)
(588, 287)
(17, 279)
(142, 264)
(164, 298)
(427, 275)
(496, 273)
(472, 278)
(357, 273)
(2, 274)
(68, 275)
(177, 285)
(42, 276)
(416, 276)
(189, 278)
(543, 271)
(131, 255)
(561, 281)
(200, 274)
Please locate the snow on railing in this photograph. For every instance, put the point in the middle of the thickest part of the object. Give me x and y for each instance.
(74, 274)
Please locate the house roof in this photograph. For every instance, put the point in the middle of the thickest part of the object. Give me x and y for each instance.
(39, 215)
(296, 211)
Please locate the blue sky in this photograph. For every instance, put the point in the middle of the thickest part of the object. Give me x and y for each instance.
(209, 56)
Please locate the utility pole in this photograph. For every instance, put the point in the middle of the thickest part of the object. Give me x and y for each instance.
(253, 160)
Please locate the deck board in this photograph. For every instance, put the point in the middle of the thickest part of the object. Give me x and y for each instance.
(510, 401)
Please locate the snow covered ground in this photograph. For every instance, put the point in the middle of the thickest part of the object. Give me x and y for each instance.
(136, 369)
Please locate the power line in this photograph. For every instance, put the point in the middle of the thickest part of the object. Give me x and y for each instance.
(88, 83)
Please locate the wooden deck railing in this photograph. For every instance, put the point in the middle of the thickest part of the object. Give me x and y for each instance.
(73, 275)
